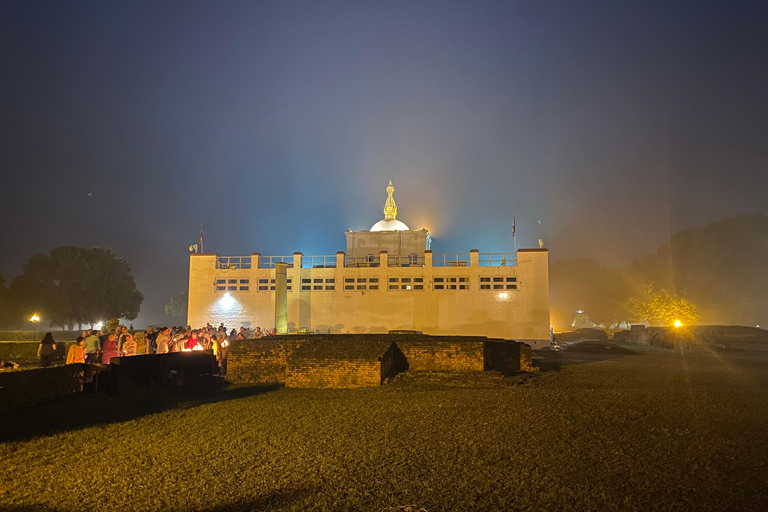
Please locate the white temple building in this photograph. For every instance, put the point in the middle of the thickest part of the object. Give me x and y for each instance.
(388, 279)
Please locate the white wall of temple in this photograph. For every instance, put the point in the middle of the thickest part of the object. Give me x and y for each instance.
(520, 313)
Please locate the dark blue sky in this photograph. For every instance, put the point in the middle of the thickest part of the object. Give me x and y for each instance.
(278, 125)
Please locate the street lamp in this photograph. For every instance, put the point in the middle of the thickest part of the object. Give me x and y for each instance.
(34, 319)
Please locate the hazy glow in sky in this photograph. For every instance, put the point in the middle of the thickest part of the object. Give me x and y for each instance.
(278, 125)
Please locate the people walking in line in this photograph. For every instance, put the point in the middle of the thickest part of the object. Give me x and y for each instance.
(150, 340)
(129, 345)
(109, 349)
(76, 353)
(121, 338)
(46, 351)
(162, 341)
(92, 346)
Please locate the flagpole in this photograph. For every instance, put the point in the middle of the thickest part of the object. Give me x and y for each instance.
(201, 239)
(514, 235)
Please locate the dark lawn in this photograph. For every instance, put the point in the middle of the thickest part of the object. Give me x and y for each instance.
(658, 431)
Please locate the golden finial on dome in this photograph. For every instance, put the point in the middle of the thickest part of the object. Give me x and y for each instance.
(390, 208)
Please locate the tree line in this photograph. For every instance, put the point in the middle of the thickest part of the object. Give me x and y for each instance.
(716, 274)
(71, 286)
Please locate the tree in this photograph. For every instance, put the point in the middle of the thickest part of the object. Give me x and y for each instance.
(78, 285)
(721, 267)
(581, 284)
(662, 308)
(7, 309)
(177, 306)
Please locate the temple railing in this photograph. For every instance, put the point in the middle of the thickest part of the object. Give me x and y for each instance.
(450, 260)
(410, 260)
(362, 261)
(270, 261)
(485, 259)
(497, 259)
(233, 262)
(318, 261)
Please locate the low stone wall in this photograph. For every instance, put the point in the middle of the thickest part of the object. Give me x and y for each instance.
(583, 334)
(334, 374)
(343, 364)
(711, 334)
(261, 361)
(270, 360)
(508, 356)
(26, 387)
(444, 354)
(25, 351)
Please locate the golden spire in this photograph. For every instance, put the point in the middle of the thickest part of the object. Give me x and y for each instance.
(390, 208)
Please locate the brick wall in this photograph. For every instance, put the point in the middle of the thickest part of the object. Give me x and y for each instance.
(508, 356)
(333, 374)
(444, 354)
(348, 360)
(345, 363)
(261, 361)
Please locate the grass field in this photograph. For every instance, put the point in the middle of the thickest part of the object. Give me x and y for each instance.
(657, 431)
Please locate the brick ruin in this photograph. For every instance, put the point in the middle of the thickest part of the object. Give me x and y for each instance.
(361, 360)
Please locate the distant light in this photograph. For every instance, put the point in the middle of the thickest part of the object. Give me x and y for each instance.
(678, 323)
(34, 318)
(227, 301)
(580, 311)
(503, 296)
(758, 326)
(98, 325)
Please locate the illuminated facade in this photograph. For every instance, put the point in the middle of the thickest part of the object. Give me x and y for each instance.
(388, 279)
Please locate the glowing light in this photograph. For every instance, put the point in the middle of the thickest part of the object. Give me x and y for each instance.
(580, 311)
(98, 325)
(197, 347)
(678, 323)
(34, 318)
(227, 301)
(503, 296)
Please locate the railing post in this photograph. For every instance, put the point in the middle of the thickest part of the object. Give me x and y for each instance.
(428, 259)
(298, 258)
(281, 298)
(340, 257)
(383, 259)
(255, 259)
(474, 258)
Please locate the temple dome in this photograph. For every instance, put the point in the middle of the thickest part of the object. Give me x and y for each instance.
(390, 225)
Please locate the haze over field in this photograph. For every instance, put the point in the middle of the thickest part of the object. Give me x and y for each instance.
(603, 128)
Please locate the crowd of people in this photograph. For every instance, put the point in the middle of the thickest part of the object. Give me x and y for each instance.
(100, 347)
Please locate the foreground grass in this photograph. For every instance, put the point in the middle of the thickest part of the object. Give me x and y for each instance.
(671, 431)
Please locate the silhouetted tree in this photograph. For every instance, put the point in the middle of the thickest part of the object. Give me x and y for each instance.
(7, 307)
(177, 306)
(722, 268)
(581, 284)
(78, 285)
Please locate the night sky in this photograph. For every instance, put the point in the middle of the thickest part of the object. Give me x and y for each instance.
(601, 126)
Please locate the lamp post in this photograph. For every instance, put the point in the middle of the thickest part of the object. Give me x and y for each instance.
(34, 319)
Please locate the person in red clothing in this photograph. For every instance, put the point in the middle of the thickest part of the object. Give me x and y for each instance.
(192, 341)
(109, 349)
